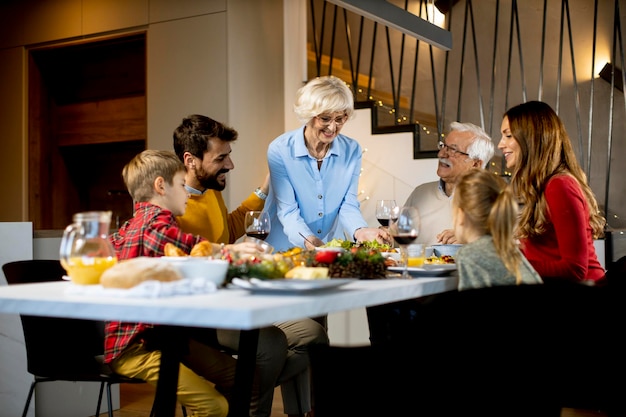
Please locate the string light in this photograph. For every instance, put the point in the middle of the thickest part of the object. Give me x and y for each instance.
(367, 197)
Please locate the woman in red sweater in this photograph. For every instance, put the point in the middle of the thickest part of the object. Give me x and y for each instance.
(559, 217)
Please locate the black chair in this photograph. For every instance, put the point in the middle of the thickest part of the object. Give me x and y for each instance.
(516, 350)
(60, 349)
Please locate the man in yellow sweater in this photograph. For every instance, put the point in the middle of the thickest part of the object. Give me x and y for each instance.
(203, 145)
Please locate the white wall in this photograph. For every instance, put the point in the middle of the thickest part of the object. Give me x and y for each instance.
(16, 244)
(387, 173)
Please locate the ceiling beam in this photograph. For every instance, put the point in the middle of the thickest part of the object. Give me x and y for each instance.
(390, 15)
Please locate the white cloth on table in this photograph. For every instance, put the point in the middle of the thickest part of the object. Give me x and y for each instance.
(147, 289)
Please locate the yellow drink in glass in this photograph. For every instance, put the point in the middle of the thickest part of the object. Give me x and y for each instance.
(415, 255)
(416, 261)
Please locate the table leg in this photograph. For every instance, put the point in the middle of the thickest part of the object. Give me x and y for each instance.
(171, 353)
(244, 377)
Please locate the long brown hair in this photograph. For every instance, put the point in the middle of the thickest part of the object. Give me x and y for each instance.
(546, 150)
(490, 208)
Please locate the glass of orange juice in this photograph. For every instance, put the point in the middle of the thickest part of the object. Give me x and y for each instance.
(415, 255)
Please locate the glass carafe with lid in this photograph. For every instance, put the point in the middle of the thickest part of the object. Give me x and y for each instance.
(85, 249)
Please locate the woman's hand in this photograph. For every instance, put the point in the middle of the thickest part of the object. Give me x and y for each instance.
(446, 237)
(311, 242)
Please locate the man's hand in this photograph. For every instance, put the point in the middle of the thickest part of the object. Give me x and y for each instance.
(248, 248)
(366, 234)
(446, 237)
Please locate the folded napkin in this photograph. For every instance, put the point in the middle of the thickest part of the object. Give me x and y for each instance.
(147, 289)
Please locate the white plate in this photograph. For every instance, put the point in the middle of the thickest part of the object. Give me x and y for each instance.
(450, 267)
(393, 255)
(289, 285)
(426, 271)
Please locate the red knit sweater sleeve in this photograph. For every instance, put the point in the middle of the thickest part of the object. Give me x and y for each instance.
(565, 249)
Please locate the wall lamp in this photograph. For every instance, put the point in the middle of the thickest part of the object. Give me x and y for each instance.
(605, 74)
(444, 6)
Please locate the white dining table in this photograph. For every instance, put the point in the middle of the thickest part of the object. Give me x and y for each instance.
(228, 308)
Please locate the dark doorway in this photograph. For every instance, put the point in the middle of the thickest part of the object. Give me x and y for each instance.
(87, 119)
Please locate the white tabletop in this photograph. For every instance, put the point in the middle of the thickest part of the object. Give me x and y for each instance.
(226, 308)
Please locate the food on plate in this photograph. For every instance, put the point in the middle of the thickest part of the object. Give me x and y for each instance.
(172, 250)
(263, 266)
(200, 249)
(204, 248)
(293, 251)
(307, 272)
(391, 262)
(338, 243)
(130, 272)
(358, 262)
(439, 260)
(370, 244)
(326, 256)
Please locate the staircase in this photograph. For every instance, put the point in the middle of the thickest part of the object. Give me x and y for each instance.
(384, 117)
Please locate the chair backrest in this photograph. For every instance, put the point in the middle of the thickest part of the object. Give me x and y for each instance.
(501, 349)
(56, 347)
(616, 274)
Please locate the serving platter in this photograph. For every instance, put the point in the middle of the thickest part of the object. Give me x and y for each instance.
(290, 286)
(426, 270)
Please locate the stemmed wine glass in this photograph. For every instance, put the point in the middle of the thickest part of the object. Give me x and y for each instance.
(405, 228)
(384, 210)
(257, 224)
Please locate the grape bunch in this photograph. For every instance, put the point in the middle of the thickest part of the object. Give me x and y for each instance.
(357, 262)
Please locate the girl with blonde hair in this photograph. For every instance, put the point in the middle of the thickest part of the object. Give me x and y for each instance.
(485, 213)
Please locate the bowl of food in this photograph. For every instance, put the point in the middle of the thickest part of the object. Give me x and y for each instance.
(446, 250)
(213, 270)
(395, 255)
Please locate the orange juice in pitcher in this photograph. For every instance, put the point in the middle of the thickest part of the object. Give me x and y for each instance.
(85, 251)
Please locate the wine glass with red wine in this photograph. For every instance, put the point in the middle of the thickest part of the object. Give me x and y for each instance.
(405, 229)
(257, 224)
(384, 210)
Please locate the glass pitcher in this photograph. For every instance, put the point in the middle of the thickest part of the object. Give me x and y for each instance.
(85, 249)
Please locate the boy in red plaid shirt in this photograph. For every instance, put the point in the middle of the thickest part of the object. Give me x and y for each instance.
(156, 182)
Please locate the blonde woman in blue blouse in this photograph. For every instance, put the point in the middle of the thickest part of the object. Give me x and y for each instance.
(314, 173)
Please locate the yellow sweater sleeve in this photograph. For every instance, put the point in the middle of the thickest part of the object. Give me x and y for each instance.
(206, 215)
(236, 218)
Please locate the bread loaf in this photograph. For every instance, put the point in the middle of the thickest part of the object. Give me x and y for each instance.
(130, 272)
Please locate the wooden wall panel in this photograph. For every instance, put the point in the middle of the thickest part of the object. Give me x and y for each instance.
(103, 121)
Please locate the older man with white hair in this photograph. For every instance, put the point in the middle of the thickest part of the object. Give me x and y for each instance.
(467, 146)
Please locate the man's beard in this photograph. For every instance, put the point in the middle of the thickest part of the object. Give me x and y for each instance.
(210, 181)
